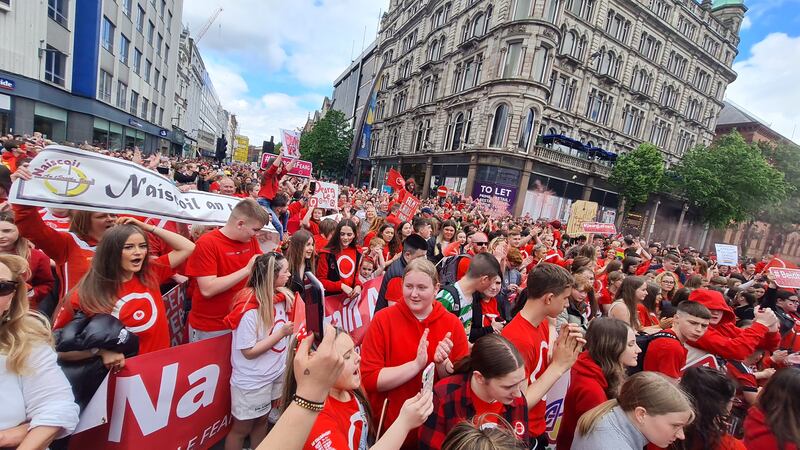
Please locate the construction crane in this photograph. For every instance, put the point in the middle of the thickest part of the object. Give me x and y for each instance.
(207, 25)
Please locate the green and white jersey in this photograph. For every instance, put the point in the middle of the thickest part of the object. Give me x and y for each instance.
(464, 313)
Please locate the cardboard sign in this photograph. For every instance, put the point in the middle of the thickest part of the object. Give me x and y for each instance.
(599, 228)
(727, 255)
(408, 208)
(178, 398)
(291, 144)
(327, 195)
(354, 316)
(786, 278)
(580, 213)
(301, 168)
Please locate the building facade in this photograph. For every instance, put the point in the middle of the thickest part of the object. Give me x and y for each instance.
(100, 71)
(531, 100)
(199, 113)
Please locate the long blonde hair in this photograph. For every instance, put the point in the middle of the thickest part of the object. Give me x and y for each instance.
(650, 390)
(20, 328)
(23, 246)
(261, 285)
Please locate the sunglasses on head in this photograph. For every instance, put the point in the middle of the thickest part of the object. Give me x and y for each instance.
(7, 287)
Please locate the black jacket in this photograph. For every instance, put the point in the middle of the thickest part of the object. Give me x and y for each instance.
(395, 270)
(101, 331)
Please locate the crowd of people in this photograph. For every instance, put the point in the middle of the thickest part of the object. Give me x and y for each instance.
(479, 315)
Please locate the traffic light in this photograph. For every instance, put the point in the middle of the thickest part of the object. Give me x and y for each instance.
(222, 148)
(268, 146)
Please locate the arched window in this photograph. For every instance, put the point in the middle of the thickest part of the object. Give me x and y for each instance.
(568, 43)
(478, 23)
(488, 22)
(526, 131)
(522, 9)
(419, 136)
(499, 126)
(552, 130)
(458, 131)
(552, 11)
(433, 50)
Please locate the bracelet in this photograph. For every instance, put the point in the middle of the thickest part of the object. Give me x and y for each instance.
(307, 404)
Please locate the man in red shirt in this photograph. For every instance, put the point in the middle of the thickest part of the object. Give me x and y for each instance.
(220, 264)
(549, 288)
(667, 355)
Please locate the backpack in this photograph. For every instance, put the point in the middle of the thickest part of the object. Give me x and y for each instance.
(448, 269)
(643, 341)
(451, 288)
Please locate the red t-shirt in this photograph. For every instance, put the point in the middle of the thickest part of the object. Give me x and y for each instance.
(217, 255)
(533, 342)
(340, 426)
(665, 355)
(646, 318)
(489, 310)
(493, 409)
(53, 221)
(605, 298)
(139, 307)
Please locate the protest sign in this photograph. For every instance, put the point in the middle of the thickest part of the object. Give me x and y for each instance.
(408, 208)
(599, 228)
(174, 302)
(554, 409)
(786, 278)
(178, 398)
(242, 150)
(301, 168)
(327, 195)
(291, 144)
(727, 255)
(580, 213)
(69, 178)
(354, 315)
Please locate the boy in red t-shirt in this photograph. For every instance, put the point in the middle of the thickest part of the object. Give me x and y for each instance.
(549, 288)
(221, 262)
(668, 356)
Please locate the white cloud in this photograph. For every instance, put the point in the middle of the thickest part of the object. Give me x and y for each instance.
(746, 23)
(767, 83)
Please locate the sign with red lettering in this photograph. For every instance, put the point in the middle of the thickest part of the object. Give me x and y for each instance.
(174, 301)
(408, 208)
(354, 315)
(301, 169)
(327, 195)
(291, 144)
(599, 228)
(178, 398)
(786, 278)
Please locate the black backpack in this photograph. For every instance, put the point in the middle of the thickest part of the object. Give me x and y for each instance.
(643, 341)
(448, 269)
(451, 288)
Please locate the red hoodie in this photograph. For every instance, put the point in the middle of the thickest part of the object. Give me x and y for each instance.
(757, 433)
(392, 340)
(727, 340)
(586, 390)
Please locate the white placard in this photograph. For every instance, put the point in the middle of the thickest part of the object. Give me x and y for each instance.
(327, 195)
(727, 255)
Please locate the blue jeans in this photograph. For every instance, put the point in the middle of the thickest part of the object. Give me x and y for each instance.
(265, 203)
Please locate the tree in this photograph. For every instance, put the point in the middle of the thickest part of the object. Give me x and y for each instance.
(637, 174)
(327, 145)
(729, 181)
(782, 217)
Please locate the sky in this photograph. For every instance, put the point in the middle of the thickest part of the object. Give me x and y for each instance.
(273, 61)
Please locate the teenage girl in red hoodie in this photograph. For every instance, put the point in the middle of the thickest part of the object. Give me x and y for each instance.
(339, 261)
(711, 393)
(772, 423)
(402, 340)
(598, 373)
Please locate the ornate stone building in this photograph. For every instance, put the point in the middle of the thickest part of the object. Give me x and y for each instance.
(533, 99)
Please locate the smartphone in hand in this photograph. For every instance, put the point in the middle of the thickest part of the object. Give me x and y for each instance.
(427, 378)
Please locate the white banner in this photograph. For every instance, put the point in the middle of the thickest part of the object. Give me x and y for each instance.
(327, 195)
(66, 177)
(727, 255)
(291, 144)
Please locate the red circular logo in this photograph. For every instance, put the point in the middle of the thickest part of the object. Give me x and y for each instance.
(347, 267)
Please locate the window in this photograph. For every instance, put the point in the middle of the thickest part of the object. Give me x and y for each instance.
(428, 89)
(145, 107)
(422, 134)
(659, 134)
(522, 9)
(147, 66)
(497, 138)
(405, 70)
(540, 60)
(126, 7)
(134, 101)
(563, 91)
(661, 8)
(166, 54)
(124, 49)
(57, 10)
(617, 26)
(458, 132)
(599, 107)
(693, 109)
(137, 61)
(108, 35)
(467, 74)
(122, 95)
(581, 8)
(440, 17)
(669, 96)
(153, 108)
(163, 8)
(676, 64)
(156, 80)
(513, 60)
(526, 131)
(151, 31)
(163, 84)
(161, 116)
(632, 119)
(608, 63)
(701, 80)
(169, 22)
(710, 45)
(480, 23)
(641, 81)
(394, 140)
(552, 11)
(54, 66)
(399, 101)
(649, 47)
(686, 27)
(159, 44)
(686, 141)
(139, 19)
(104, 86)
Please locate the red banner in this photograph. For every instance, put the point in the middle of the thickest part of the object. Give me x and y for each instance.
(174, 302)
(408, 208)
(599, 228)
(354, 316)
(173, 399)
(786, 278)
